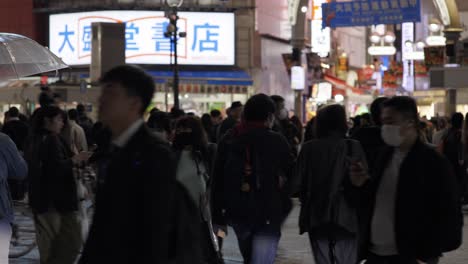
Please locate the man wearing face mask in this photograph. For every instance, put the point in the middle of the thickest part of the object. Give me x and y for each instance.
(409, 208)
(284, 126)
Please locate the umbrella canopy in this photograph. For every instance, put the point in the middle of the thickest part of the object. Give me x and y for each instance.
(21, 56)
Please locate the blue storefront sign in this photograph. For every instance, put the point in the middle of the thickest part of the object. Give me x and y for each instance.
(370, 12)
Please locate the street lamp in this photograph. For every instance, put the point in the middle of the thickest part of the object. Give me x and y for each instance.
(435, 37)
(173, 34)
(434, 25)
(382, 44)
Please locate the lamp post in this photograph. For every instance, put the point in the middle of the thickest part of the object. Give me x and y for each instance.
(415, 52)
(173, 34)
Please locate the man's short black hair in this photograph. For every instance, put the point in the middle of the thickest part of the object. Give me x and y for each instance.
(215, 113)
(366, 116)
(13, 112)
(236, 104)
(258, 108)
(376, 110)
(80, 108)
(134, 80)
(331, 119)
(73, 114)
(456, 120)
(404, 105)
(277, 99)
(160, 121)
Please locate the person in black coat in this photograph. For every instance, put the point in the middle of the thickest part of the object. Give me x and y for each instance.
(369, 136)
(409, 209)
(16, 129)
(251, 171)
(52, 188)
(234, 116)
(141, 213)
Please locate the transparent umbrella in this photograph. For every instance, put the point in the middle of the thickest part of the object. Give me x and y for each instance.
(21, 56)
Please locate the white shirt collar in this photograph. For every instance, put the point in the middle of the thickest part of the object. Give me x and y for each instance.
(13, 119)
(123, 138)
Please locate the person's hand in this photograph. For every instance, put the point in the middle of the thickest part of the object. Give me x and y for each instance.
(358, 174)
(420, 261)
(81, 157)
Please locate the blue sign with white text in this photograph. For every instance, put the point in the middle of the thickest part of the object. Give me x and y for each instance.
(370, 12)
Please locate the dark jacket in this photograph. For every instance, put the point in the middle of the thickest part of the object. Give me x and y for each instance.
(453, 150)
(427, 209)
(371, 141)
(18, 131)
(271, 163)
(227, 124)
(50, 172)
(290, 132)
(321, 171)
(141, 212)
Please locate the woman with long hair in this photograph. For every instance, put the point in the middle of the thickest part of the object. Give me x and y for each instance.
(322, 180)
(194, 167)
(52, 188)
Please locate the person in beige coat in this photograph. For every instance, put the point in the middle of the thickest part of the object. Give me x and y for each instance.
(77, 135)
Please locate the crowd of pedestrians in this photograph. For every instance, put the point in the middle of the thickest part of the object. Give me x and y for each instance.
(386, 186)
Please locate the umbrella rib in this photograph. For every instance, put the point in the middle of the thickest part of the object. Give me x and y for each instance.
(11, 59)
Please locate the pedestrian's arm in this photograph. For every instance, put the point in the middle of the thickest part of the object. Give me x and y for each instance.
(157, 169)
(218, 184)
(299, 181)
(81, 140)
(17, 167)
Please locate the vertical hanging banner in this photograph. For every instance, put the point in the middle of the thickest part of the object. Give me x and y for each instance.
(407, 35)
(370, 12)
(320, 37)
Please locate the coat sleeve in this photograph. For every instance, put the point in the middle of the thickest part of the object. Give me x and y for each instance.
(444, 221)
(299, 181)
(217, 198)
(158, 169)
(287, 158)
(17, 167)
(79, 138)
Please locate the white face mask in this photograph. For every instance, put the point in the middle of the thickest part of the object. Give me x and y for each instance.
(271, 120)
(391, 135)
(283, 114)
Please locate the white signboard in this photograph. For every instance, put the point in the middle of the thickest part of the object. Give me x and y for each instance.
(210, 37)
(297, 78)
(324, 91)
(320, 37)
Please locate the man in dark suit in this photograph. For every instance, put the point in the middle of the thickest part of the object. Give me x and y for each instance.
(410, 208)
(138, 204)
(16, 129)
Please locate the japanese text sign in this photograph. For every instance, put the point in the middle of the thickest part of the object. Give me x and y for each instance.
(210, 37)
(370, 12)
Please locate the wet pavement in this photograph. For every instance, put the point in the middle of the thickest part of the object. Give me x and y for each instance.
(293, 248)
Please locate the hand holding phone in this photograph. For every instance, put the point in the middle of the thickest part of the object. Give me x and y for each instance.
(358, 173)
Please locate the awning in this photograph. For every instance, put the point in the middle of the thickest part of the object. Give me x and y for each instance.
(341, 84)
(240, 78)
(210, 82)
